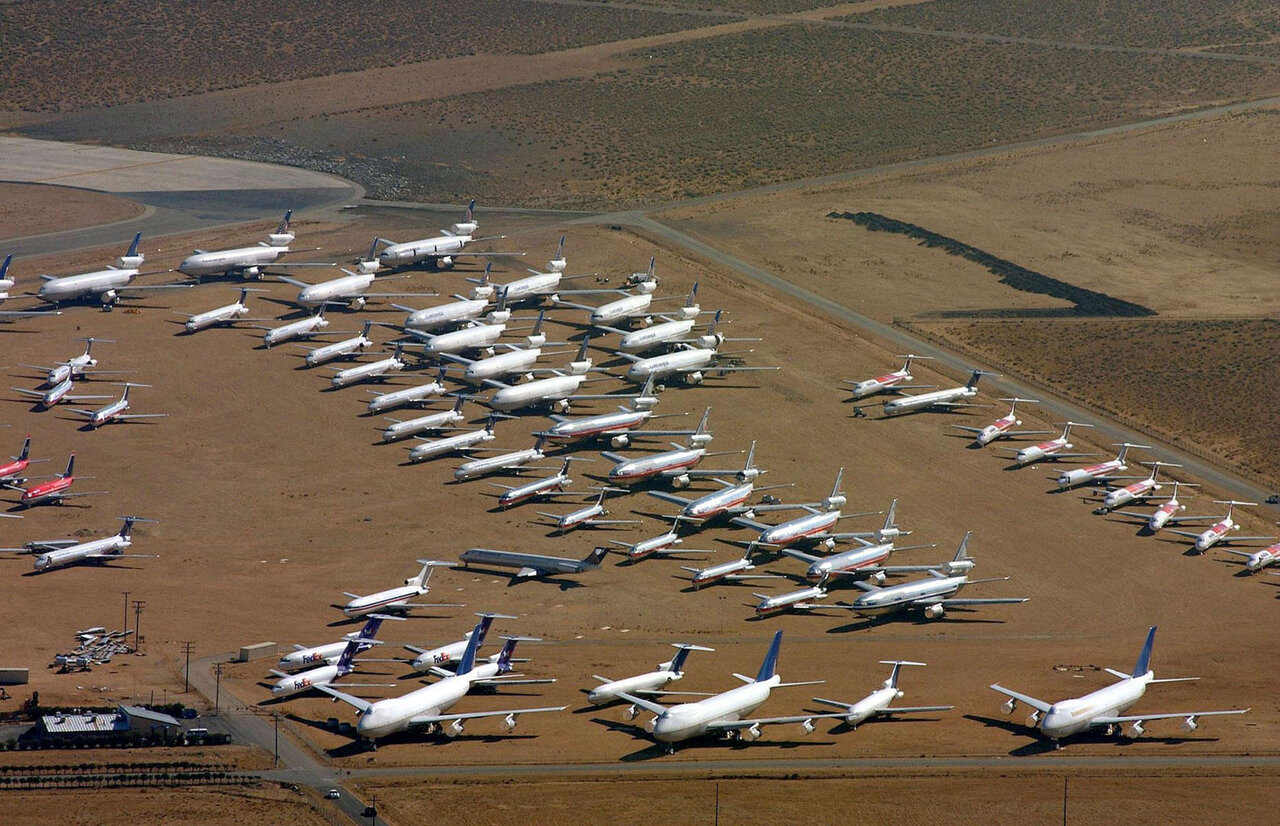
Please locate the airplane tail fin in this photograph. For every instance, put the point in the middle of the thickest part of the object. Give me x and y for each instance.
(597, 555)
(71, 465)
(962, 553)
(504, 656)
(770, 665)
(284, 222)
(582, 351)
(1143, 665)
(345, 665)
(471, 211)
(892, 682)
(701, 429)
(26, 449)
(370, 629)
(4, 268)
(677, 662)
(133, 247)
(468, 660)
(751, 458)
(835, 489)
(973, 379)
(890, 519)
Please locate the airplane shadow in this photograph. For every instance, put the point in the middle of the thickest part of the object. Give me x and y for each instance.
(1043, 745)
(516, 579)
(874, 622)
(653, 750)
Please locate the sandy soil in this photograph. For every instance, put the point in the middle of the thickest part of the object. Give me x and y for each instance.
(123, 807)
(273, 501)
(242, 758)
(27, 209)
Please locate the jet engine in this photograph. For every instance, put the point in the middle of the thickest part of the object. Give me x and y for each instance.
(934, 611)
(109, 297)
(701, 439)
(453, 729)
(509, 722)
(1137, 729)
(621, 440)
(694, 377)
(1189, 724)
(878, 577)
(631, 712)
(681, 481)
(562, 405)
(807, 727)
(750, 734)
(368, 267)
(444, 263)
(1010, 706)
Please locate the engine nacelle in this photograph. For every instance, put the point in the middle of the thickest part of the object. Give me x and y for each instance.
(368, 267)
(747, 474)
(620, 441)
(630, 712)
(280, 239)
(358, 302)
(955, 568)
(252, 272)
(829, 544)
(687, 313)
(109, 297)
(562, 406)
(454, 729)
(557, 264)
(681, 481)
(509, 722)
(1033, 719)
(499, 316)
(580, 368)
(806, 727)
(694, 377)
(750, 734)
(1010, 706)
(536, 340)
(1189, 724)
(651, 724)
(710, 342)
(700, 439)
(126, 262)
(646, 287)
(1137, 729)
(464, 227)
(934, 611)
(444, 263)
(878, 577)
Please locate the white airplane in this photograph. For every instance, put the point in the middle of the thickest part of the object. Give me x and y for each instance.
(663, 545)
(1257, 560)
(247, 262)
(6, 283)
(1000, 428)
(619, 428)
(1101, 472)
(1106, 707)
(868, 561)
(889, 382)
(651, 683)
(931, 596)
(476, 336)
(817, 524)
(428, 707)
(876, 705)
(726, 713)
(340, 349)
(431, 448)
(351, 289)
(1052, 449)
(674, 328)
(558, 390)
(312, 325)
(738, 570)
(436, 660)
(804, 599)
(104, 285)
(1141, 489)
(439, 252)
(369, 371)
(675, 465)
(1219, 532)
(323, 675)
(531, 287)
(303, 656)
(516, 359)
(948, 398)
(457, 312)
(417, 394)
(393, 600)
(404, 428)
(633, 306)
(532, 565)
(509, 461)
(59, 553)
(1164, 515)
(117, 411)
(691, 364)
(553, 485)
(730, 500)
(226, 314)
(76, 366)
(58, 393)
(590, 516)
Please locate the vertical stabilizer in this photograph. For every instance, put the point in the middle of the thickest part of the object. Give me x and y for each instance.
(769, 667)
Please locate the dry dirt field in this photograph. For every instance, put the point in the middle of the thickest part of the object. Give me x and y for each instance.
(125, 807)
(273, 500)
(31, 210)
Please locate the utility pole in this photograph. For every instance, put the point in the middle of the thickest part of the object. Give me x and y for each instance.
(275, 715)
(187, 646)
(1064, 801)
(138, 605)
(126, 612)
(217, 689)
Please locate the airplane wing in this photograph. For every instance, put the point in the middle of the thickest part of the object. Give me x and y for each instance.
(51, 545)
(81, 411)
(1038, 705)
(613, 522)
(499, 681)
(734, 725)
(1227, 540)
(1176, 519)
(960, 601)
(359, 704)
(886, 711)
(1139, 718)
(967, 428)
(1011, 433)
(647, 705)
(399, 295)
(149, 287)
(142, 416)
(669, 497)
(526, 572)
(1192, 534)
(744, 522)
(122, 556)
(426, 719)
(670, 551)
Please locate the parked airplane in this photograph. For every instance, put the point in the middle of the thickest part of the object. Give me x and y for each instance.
(511, 460)
(436, 660)
(516, 359)
(393, 600)
(553, 485)
(117, 411)
(674, 328)
(340, 349)
(532, 565)
(817, 524)
(6, 283)
(890, 382)
(427, 707)
(322, 675)
(475, 336)
(309, 656)
(1106, 707)
(1100, 472)
(633, 306)
(383, 402)
(12, 472)
(312, 325)
(76, 366)
(725, 713)
(805, 599)
(58, 393)
(591, 516)
(1257, 560)
(53, 491)
(558, 390)
(675, 465)
(369, 371)
(404, 428)
(457, 312)
(738, 570)
(1142, 489)
(948, 398)
(351, 289)
(731, 499)
(876, 705)
(663, 545)
(931, 596)
(439, 252)
(226, 314)
(1164, 515)
(535, 286)
(651, 683)
(865, 561)
(59, 553)
(1000, 428)
(1219, 532)
(431, 448)
(246, 262)
(619, 428)
(1051, 449)
(691, 364)
(104, 285)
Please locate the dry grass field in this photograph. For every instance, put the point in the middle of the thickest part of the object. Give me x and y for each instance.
(84, 53)
(126, 807)
(1180, 24)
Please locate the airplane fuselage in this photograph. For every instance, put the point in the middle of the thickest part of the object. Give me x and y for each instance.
(907, 595)
(305, 681)
(1041, 451)
(312, 657)
(392, 599)
(798, 529)
(1083, 475)
(449, 444)
(436, 250)
(1261, 559)
(1163, 514)
(621, 309)
(294, 329)
(655, 335)
(524, 493)
(247, 260)
(687, 720)
(848, 562)
(717, 502)
(337, 289)
(329, 352)
(366, 372)
(1069, 717)
(926, 400)
(654, 680)
(695, 358)
(410, 427)
(492, 464)
(468, 338)
(218, 315)
(409, 395)
(647, 467)
(994, 430)
(869, 706)
(502, 364)
(879, 384)
(103, 283)
(50, 491)
(105, 414)
(81, 553)
(714, 573)
(1129, 493)
(535, 562)
(785, 602)
(1212, 536)
(591, 427)
(442, 315)
(538, 391)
